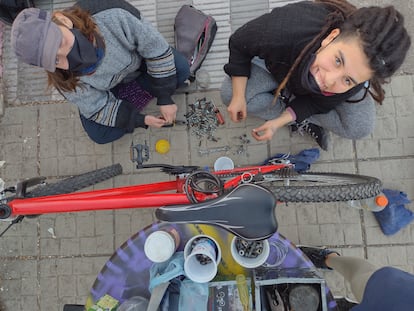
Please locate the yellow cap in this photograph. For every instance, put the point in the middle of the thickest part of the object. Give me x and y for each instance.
(162, 146)
(381, 200)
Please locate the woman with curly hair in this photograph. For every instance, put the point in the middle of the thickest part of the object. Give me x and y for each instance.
(314, 65)
(89, 49)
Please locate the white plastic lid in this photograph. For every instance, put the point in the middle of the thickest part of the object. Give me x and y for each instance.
(159, 246)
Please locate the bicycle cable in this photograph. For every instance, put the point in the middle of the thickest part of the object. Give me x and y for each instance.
(14, 221)
(203, 182)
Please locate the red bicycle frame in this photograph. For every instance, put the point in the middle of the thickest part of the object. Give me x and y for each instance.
(137, 196)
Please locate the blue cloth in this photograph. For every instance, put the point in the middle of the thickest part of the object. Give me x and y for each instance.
(166, 271)
(182, 294)
(388, 289)
(395, 215)
(302, 160)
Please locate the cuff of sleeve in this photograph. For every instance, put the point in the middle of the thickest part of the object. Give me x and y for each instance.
(140, 121)
(164, 100)
(292, 112)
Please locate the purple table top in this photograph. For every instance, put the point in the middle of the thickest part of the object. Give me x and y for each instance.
(126, 273)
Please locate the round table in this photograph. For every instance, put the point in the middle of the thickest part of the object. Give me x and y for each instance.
(126, 273)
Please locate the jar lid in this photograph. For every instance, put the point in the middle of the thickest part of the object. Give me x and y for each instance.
(159, 246)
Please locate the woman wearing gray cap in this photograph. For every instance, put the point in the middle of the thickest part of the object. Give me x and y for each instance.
(92, 47)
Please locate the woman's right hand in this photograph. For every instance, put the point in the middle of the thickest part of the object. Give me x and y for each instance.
(237, 109)
(152, 121)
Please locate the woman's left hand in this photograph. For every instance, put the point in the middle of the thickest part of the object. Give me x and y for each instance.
(169, 113)
(266, 131)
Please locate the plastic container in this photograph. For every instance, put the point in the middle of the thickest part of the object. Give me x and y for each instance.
(202, 254)
(161, 245)
(374, 204)
(223, 163)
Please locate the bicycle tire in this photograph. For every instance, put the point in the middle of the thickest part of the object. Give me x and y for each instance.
(76, 182)
(321, 187)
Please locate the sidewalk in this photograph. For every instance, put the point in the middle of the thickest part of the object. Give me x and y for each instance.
(54, 259)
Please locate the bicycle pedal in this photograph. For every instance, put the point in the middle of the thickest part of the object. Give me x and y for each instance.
(139, 153)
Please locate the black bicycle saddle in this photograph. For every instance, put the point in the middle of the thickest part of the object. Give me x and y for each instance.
(248, 212)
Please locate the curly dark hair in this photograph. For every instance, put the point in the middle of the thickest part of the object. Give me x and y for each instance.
(381, 32)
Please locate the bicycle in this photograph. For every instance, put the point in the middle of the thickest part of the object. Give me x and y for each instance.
(221, 198)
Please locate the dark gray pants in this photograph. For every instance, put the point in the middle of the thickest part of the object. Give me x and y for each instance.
(353, 121)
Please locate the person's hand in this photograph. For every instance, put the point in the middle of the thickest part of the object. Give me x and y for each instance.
(169, 113)
(269, 128)
(237, 109)
(266, 131)
(152, 121)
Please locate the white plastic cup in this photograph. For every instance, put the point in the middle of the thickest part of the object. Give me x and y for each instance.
(249, 262)
(161, 245)
(223, 163)
(201, 271)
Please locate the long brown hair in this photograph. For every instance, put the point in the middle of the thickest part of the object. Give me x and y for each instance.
(64, 80)
(381, 32)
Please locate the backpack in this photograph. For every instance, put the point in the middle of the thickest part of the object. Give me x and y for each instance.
(194, 33)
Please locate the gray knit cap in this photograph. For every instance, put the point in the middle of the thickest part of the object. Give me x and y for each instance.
(35, 38)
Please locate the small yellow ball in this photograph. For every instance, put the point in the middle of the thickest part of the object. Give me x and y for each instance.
(162, 146)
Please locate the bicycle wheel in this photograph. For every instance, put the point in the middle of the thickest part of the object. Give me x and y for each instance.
(321, 187)
(77, 182)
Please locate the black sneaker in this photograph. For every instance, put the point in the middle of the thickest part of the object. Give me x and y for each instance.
(317, 255)
(344, 303)
(315, 131)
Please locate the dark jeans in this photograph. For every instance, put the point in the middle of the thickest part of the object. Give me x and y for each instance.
(102, 134)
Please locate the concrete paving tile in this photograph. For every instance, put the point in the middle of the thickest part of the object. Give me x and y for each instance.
(29, 302)
(49, 302)
(367, 148)
(342, 148)
(286, 214)
(391, 147)
(11, 246)
(104, 223)
(47, 138)
(327, 213)
(386, 127)
(67, 285)
(405, 127)
(348, 215)
(310, 235)
(69, 247)
(352, 234)
(402, 85)
(49, 286)
(403, 105)
(290, 232)
(374, 236)
(65, 225)
(29, 246)
(306, 214)
(388, 108)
